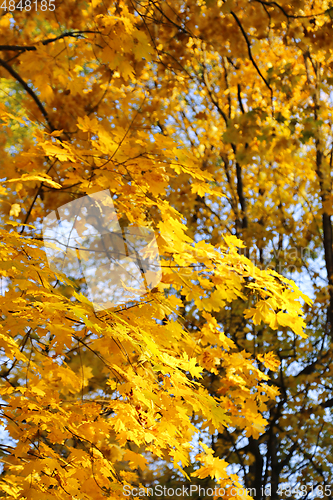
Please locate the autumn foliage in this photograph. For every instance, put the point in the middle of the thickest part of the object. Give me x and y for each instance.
(209, 122)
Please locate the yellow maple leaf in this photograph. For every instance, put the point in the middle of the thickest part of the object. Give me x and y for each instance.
(37, 177)
(135, 459)
(269, 360)
(15, 210)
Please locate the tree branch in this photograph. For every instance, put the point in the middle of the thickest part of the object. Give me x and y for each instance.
(292, 16)
(250, 53)
(24, 48)
(26, 87)
(212, 95)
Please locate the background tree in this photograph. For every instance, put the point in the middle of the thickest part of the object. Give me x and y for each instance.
(255, 109)
(207, 122)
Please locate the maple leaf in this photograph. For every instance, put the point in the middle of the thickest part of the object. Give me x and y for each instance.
(37, 177)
